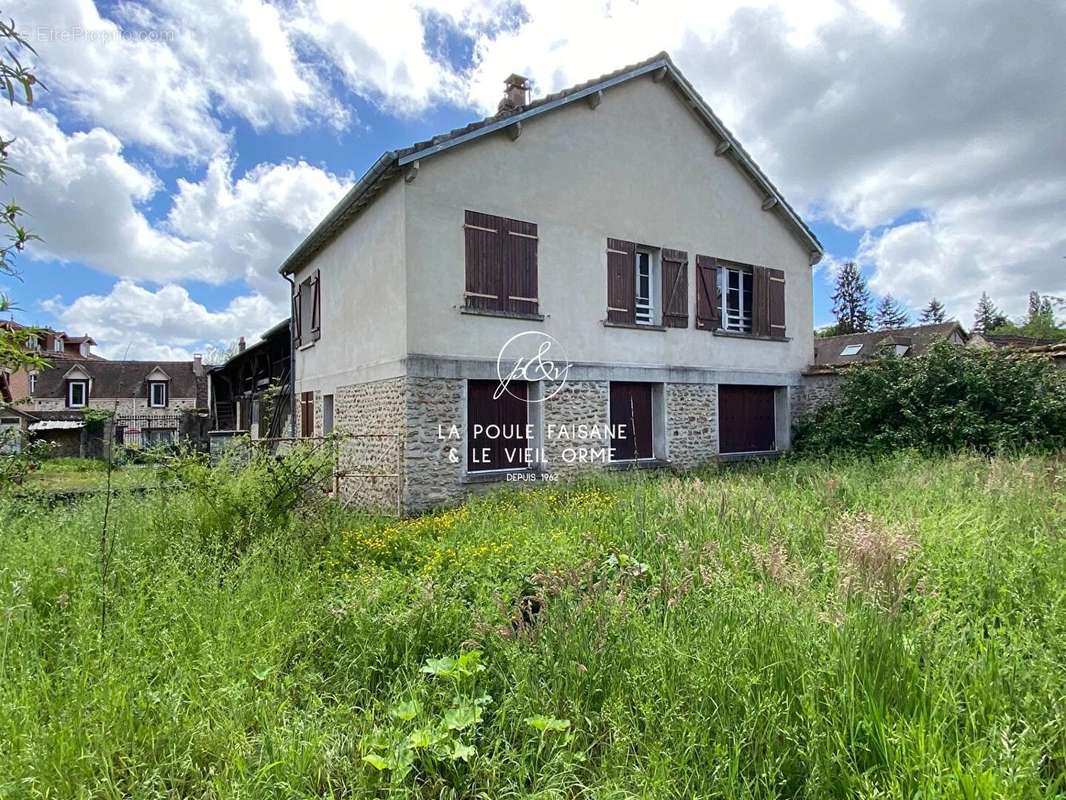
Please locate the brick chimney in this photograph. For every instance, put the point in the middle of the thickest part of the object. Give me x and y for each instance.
(240, 345)
(515, 93)
(197, 365)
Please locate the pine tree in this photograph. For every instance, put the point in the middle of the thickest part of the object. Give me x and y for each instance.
(891, 314)
(851, 301)
(986, 316)
(933, 313)
(1040, 313)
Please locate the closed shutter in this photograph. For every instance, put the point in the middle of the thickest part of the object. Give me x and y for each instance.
(631, 421)
(777, 302)
(307, 414)
(316, 306)
(675, 288)
(621, 281)
(708, 296)
(746, 419)
(496, 426)
(484, 260)
(501, 264)
(520, 267)
(760, 301)
(297, 328)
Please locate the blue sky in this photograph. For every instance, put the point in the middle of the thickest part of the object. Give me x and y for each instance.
(181, 153)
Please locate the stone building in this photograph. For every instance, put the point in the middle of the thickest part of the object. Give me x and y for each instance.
(601, 277)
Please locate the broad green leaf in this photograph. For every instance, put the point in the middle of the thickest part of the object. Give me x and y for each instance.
(406, 711)
(462, 751)
(544, 724)
(376, 761)
(461, 717)
(439, 666)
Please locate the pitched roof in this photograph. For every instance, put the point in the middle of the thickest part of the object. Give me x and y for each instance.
(1013, 340)
(393, 162)
(918, 338)
(119, 379)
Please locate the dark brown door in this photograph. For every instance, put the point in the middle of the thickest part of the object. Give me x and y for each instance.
(631, 421)
(746, 419)
(496, 428)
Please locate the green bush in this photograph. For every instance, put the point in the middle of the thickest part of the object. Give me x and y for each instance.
(949, 399)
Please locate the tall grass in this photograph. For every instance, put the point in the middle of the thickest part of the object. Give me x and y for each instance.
(891, 628)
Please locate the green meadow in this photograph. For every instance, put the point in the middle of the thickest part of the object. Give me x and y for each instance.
(883, 628)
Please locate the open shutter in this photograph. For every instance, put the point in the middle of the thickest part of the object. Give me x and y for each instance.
(760, 301)
(777, 302)
(675, 288)
(297, 328)
(484, 260)
(708, 297)
(621, 281)
(520, 266)
(316, 314)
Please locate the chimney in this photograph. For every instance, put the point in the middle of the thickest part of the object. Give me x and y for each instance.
(240, 345)
(515, 93)
(197, 365)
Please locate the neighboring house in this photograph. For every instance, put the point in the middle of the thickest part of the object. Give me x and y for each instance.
(619, 217)
(149, 399)
(834, 354)
(1010, 340)
(47, 343)
(253, 381)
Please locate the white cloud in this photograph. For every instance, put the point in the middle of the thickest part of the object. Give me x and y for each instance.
(134, 322)
(86, 202)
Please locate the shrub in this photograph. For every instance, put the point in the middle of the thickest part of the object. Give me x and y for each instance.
(951, 398)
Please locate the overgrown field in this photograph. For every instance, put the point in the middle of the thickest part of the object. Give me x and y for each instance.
(803, 629)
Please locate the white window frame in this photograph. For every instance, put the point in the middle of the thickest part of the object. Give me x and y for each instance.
(851, 350)
(57, 346)
(84, 394)
(152, 386)
(646, 308)
(33, 383)
(738, 320)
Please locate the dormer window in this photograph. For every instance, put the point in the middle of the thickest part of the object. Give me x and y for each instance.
(157, 394)
(77, 394)
(851, 350)
(58, 345)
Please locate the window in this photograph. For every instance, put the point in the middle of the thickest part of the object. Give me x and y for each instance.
(32, 343)
(851, 350)
(33, 383)
(157, 394)
(736, 290)
(497, 428)
(327, 414)
(632, 421)
(501, 265)
(901, 349)
(58, 345)
(157, 437)
(307, 414)
(77, 394)
(645, 288)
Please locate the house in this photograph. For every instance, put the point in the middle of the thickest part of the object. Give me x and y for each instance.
(47, 343)
(150, 401)
(834, 354)
(250, 392)
(599, 277)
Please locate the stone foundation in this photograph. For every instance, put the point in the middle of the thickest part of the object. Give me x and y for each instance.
(370, 417)
(691, 423)
(814, 392)
(577, 403)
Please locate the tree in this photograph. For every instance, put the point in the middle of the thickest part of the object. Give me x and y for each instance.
(18, 81)
(986, 317)
(1040, 314)
(891, 314)
(933, 313)
(851, 300)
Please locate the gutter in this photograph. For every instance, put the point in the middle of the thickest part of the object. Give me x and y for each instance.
(292, 355)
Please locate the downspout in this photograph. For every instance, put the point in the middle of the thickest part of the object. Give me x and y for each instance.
(292, 356)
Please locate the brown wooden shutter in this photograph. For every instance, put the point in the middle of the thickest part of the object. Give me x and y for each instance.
(484, 260)
(777, 302)
(307, 414)
(621, 281)
(297, 328)
(316, 314)
(760, 301)
(675, 288)
(708, 297)
(520, 267)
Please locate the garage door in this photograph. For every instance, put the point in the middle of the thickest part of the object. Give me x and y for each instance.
(746, 419)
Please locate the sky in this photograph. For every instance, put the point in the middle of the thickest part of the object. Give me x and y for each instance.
(183, 148)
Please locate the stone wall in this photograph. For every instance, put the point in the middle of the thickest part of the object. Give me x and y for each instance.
(133, 407)
(434, 463)
(691, 423)
(814, 392)
(370, 419)
(577, 403)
